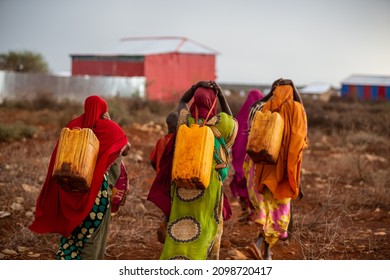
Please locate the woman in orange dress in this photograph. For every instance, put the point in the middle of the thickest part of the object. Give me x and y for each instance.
(272, 186)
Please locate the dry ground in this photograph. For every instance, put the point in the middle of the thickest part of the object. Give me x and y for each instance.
(344, 214)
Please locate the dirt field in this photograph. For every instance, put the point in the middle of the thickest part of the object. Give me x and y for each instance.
(344, 214)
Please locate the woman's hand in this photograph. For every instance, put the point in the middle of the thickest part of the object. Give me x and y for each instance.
(106, 116)
(209, 84)
(205, 84)
(189, 94)
(126, 149)
(217, 88)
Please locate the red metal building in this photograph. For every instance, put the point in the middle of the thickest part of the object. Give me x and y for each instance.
(169, 64)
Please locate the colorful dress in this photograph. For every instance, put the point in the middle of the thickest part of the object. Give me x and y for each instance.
(271, 213)
(92, 229)
(195, 223)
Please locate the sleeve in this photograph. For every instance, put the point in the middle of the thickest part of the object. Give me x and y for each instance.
(153, 153)
(114, 171)
(298, 141)
(228, 127)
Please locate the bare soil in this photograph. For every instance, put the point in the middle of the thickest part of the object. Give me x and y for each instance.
(341, 216)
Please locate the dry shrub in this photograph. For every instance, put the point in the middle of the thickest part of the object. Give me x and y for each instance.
(378, 187)
(348, 167)
(129, 110)
(369, 142)
(345, 117)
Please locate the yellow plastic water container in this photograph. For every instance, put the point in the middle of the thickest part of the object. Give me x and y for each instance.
(76, 158)
(193, 156)
(265, 137)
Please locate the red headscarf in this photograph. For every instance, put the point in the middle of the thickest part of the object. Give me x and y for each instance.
(203, 101)
(61, 212)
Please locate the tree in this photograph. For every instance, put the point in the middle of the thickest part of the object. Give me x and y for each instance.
(23, 61)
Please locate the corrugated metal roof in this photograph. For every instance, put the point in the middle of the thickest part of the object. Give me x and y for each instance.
(316, 88)
(156, 45)
(370, 80)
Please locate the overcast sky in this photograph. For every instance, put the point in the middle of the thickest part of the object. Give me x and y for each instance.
(259, 41)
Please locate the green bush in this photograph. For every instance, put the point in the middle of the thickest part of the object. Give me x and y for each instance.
(16, 131)
(23, 61)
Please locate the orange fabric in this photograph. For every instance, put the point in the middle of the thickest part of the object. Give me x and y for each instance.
(283, 178)
(155, 155)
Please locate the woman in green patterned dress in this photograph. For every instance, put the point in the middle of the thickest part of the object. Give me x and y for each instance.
(196, 218)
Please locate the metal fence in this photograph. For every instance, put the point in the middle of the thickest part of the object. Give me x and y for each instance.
(22, 86)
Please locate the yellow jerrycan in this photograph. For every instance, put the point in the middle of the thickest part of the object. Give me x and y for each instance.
(193, 156)
(265, 137)
(76, 158)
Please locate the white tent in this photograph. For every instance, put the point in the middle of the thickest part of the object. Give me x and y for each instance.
(318, 91)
